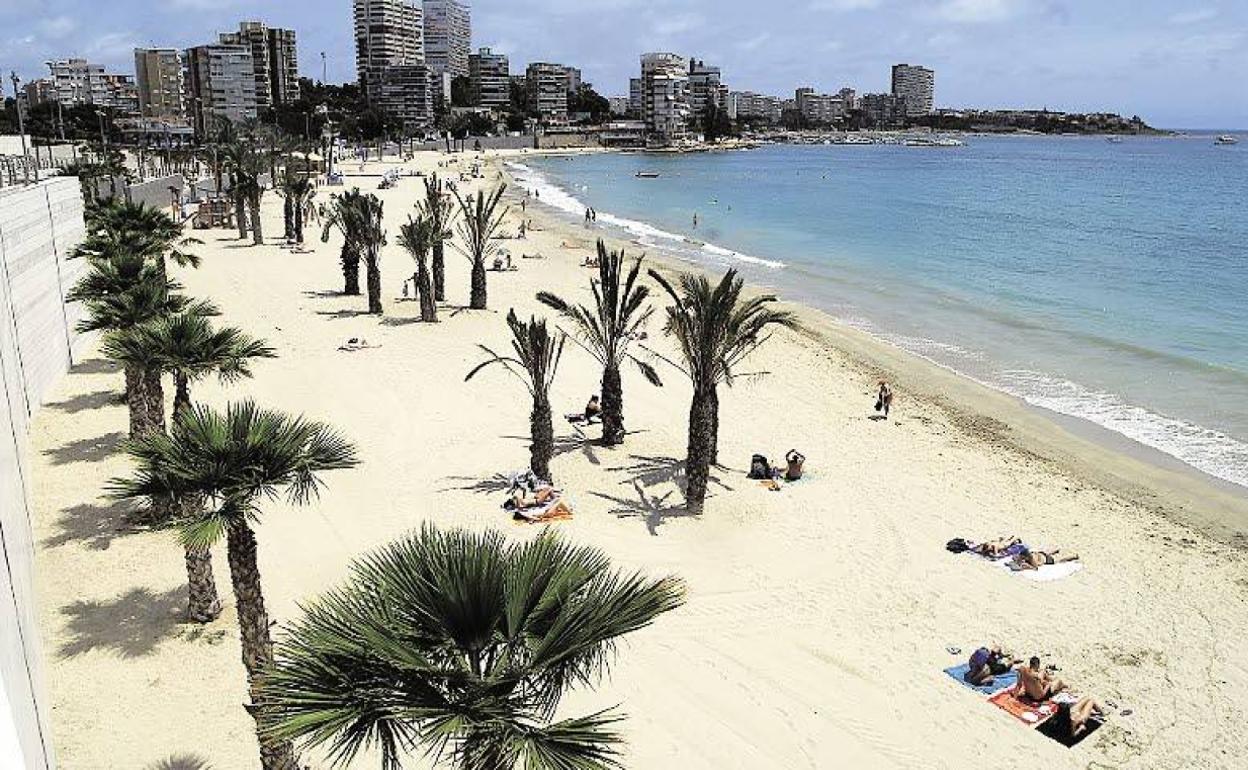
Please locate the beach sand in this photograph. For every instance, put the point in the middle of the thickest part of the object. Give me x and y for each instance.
(818, 616)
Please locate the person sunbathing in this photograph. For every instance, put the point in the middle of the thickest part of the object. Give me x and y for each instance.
(522, 498)
(1071, 721)
(987, 663)
(1028, 559)
(996, 549)
(593, 410)
(1036, 683)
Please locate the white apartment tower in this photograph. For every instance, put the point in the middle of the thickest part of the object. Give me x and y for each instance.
(74, 82)
(489, 79)
(161, 79)
(706, 87)
(448, 37)
(665, 96)
(917, 85)
(221, 83)
(274, 59)
(387, 33)
(547, 87)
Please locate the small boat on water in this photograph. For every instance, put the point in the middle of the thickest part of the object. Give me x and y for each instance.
(647, 175)
(1226, 139)
(1114, 139)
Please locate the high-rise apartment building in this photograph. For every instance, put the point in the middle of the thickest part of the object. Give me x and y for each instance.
(747, 105)
(917, 85)
(706, 88)
(884, 110)
(820, 109)
(448, 37)
(387, 33)
(160, 74)
(634, 96)
(665, 96)
(220, 83)
(403, 92)
(74, 82)
(547, 86)
(574, 78)
(275, 61)
(489, 79)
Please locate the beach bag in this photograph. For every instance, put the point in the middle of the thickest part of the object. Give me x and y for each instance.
(759, 467)
(957, 545)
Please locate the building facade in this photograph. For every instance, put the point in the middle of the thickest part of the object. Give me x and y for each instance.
(387, 33)
(403, 92)
(220, 83)
(448, 37)
(546, 86)
(747, 105)
(665, 105)
(820, 109)
(706, 88)
(489, 79)
(634, 96)
(74, 82)
(274, 58)
(160, 75)
(883, 110)
(917, 85)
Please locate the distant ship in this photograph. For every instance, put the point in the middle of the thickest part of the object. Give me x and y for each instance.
(647, 175)
(1114, 139)
(1226, 139)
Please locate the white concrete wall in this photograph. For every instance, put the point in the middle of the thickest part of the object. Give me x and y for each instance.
(39, 226)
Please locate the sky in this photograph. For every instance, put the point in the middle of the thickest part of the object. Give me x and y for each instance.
(1176, 64)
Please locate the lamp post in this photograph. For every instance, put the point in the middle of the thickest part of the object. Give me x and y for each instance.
(21, 127)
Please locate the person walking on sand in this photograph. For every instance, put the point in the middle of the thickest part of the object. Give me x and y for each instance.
(587, 217)
(884, 400)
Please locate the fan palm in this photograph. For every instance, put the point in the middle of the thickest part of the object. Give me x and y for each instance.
(536, 359)
(362, 225)
(416, 237)
(606, 330)
(334, 216)
(233, 460)
(715, 330)
(440, 210)
(121, 226)
(296, 190)
(462, 645)
(234, 156)
(480, 223)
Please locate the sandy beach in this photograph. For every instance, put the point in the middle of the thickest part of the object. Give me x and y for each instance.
(819, 617)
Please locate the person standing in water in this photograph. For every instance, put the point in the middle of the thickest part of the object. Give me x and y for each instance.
(695, 220)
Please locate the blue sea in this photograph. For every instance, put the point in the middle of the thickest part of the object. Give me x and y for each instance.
(1105, 281)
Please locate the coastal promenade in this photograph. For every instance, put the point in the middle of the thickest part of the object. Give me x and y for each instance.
(819, 617)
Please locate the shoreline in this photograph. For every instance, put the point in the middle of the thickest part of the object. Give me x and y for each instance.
(1116, 462)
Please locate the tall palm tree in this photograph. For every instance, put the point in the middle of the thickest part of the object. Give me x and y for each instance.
(121, 226)
(462, 645)
(362, 225)
(536, 359)
(234, 159)
(187, 346)
(233, 460)
(608, 328)
(334, 216)
(440, 210)
(715, 329)
(480, 223)
(416, 237)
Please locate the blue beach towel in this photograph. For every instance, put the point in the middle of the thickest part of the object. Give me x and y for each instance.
(998, 683)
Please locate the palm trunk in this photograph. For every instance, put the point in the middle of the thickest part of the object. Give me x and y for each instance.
(257, 237)
(439, 273)
(428, 308)
(373, 274)
(288, 217)
(299, 222)
(477, 299)
(612, 406)
(154, 397)
(350, 271)
(136, 401)
(253, 628)
(240, 214)
(202, 604)
(543, 434)
(698, 457)
(713, 408)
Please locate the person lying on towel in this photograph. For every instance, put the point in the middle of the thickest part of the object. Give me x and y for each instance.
(1037, 683)
(1028, 559)
(540, 503)
(986, 663)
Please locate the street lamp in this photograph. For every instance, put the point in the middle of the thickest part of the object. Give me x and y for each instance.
(21, 126)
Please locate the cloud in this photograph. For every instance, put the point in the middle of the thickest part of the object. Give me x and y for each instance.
(677, 23)
(56, 27)
(1194, 16)
(976, 11)
(755, 42)
(845, 5)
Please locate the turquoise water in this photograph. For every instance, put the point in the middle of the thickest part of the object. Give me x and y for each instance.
(1107, 281)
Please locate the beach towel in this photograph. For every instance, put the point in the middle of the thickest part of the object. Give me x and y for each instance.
(1024, 709)
(1049, 572)
(556, 510)
(998, 683)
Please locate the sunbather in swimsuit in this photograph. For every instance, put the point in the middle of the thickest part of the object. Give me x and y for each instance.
(1027, 559)
(995, 549)
(1036, 683)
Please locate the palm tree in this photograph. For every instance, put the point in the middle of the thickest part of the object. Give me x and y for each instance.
(535, 362)
(231, 461)
(121, 226)
(416, 236)
(607, 329)
(462, 645)
(440, 210)
(715, 329)
(297, 191)
(480, 223)
(233, 156)
(362, 226)
(334, 215)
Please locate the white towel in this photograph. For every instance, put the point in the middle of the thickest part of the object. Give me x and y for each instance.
(1052, 571)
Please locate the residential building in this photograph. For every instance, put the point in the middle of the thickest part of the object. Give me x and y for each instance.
(403, 92)
(37, 92)
(917, 85)
(883, 110)
(665, 96)
(274, 59)
(620, 105)
(705, 88)
(747, 105)
(220, 83)
(75, 82)
(489, 79)
(634, 96)
(448, 37)
(387, 33)
(850, 97)
(160, 74)
(573, 78)
(820, 109)
(546, 86)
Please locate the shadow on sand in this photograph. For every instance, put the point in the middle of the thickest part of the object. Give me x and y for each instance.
(95, 366)
(131, 625)
(87, 450)
(85, 402)
(94, 526)
(181, 762)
